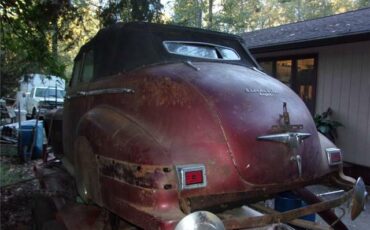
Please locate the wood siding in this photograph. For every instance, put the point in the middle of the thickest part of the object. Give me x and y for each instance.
(344, 85)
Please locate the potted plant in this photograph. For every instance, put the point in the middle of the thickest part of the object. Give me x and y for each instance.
(326, 125)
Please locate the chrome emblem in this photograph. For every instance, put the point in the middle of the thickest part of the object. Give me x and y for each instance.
(261, 92)
(289, 136)
(293, 139)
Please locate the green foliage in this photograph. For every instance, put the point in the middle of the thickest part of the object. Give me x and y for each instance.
(237, 16)
(362, 3)
(189, 13)
(45, 36)
(146, 10)
(35, 36)
(130, 10)
(8, 175)
(326, 125)
(24, 39)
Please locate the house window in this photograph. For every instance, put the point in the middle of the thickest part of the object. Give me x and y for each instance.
(305, 71)
(298, 72)
(284, 71)
(267, 67)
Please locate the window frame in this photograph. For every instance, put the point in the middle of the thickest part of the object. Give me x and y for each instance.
(76, 78)
(81, 75)
(294, 81)
(215, 46)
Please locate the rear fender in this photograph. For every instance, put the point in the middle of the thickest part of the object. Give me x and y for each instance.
(325, 144)
(119, 152)
(116, 135)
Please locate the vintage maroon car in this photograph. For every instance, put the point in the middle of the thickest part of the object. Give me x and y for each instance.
(163, 123)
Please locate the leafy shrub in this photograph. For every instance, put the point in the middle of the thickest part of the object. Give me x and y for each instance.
(326, 125)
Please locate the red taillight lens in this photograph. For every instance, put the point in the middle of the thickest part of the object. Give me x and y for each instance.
(193, 177)
(334, 156)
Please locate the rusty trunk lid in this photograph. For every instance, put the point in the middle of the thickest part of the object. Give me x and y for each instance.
(249, 104)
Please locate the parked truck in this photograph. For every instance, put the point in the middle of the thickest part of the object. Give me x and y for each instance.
(167, 127)
(40, 93)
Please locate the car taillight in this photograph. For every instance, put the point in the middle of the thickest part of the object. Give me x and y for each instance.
(334, 156)
(191, 176)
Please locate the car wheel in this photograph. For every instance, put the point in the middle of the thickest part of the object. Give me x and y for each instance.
(86, 172)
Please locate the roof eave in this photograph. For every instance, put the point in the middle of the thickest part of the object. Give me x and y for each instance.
(301, 44)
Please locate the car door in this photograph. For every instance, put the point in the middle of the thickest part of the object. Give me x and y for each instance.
(76, 100)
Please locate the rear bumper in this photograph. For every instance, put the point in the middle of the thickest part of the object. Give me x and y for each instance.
(261, 217)
(259, 221)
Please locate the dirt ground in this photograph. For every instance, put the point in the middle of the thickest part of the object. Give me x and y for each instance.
(16, 196)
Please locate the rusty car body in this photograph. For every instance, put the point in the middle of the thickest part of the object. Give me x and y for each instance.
(161, 121)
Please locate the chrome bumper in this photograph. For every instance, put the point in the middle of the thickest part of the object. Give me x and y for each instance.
(201, 218)
(260, 221)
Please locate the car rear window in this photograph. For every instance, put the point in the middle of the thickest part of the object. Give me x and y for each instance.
(201, 50)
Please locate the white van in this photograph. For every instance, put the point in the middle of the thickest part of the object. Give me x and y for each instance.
(43, 99)
(40, 93)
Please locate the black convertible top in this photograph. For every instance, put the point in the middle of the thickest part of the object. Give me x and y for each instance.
(123, 47)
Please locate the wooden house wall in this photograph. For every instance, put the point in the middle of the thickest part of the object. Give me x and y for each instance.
(344, 85)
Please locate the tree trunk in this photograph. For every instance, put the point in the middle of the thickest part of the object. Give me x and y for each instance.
(198, 14)
(210, 14)
(54, 42)
(299, 11)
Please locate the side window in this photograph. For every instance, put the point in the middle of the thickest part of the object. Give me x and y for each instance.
(88, 67)
(76, 72)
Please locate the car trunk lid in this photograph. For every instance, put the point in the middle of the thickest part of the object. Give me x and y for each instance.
(252, 108)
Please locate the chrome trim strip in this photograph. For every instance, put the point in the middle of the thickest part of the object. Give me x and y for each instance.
(109, 91)
(294, 139)
(297, 158)
(189, 63)
(101, 91)
(330, 193)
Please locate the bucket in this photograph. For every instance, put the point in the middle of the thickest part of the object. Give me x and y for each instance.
(287, 201)
(27, 132)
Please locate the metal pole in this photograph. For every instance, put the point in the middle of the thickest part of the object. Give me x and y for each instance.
(56, 91)
(20, 149)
